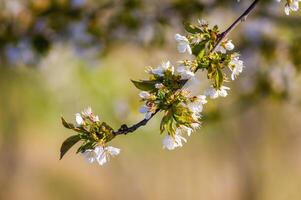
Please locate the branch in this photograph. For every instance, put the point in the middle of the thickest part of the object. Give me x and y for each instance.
(124, 129)
(239, 20)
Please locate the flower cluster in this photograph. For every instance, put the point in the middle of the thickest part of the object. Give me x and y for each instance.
(163, 91)
(94, 134)
(159, 92)
(218, 59)
(100, 154)
(291, 5)
(182, 112)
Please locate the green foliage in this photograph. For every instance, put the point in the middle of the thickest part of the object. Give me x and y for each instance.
(192, 28)
(145, 85)
(91, 132)
(68, 143)
(166, 122)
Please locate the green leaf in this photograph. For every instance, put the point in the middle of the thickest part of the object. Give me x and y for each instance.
(80, 130)
(66, 124)
(201, 54)
(144, 85)
(219, 78)
(210, 72)
(198, 50)
(68, 143)
(84, 147)
(71, 126)
(191, 28)
(167, 119)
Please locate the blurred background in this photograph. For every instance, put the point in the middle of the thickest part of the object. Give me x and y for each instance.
(59, 56)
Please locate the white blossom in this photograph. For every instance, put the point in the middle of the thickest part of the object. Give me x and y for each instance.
(183, 44)
(291, 5)
(162, 68)
(236, 66)
(229, 45)
(195, 125)
(105, 153)
(91, 155)
(144, 95)
(146, 110)
(221, 49)
(159, 85)
(201, 99)
(202, 22)
(215, 93)
(87, 112)
(184, 129)
(100, 154)
(78, 118)
(172, 142)
(184, 72)
(95, 118)
(225, 46)
(197, 105)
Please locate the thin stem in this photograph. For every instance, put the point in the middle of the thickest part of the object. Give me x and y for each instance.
(240, 19)
(124, 129)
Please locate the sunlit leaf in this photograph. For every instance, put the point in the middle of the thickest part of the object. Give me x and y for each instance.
(144, 85)
(198, 50)
(86, 146)
(191, 28)
(68, 143)
(66, 124)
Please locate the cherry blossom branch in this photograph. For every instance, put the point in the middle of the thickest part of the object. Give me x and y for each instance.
(239, 20)
(124, 129)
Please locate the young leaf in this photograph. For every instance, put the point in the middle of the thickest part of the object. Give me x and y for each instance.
(84, 147)
(219, 78)
(66, 124)
(165, 120)
(68, 143)
(198, 50)
(144, 85)
(191, 28)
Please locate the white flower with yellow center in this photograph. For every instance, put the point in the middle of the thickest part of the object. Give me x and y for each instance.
(162, 68)
(183, 44)
(225, 46)
(105, 153)
(291, 5)
(214, 93)
(184, 129)
(236, 66)
(78, 118)
(144, 95)
(197, 105)
(184, 72)
(91, 155)
(100, 154)
(87, 112)
(172, 142)
(159, 85)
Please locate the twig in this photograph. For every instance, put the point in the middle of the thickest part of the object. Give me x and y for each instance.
(240, 19)
(124, 129)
